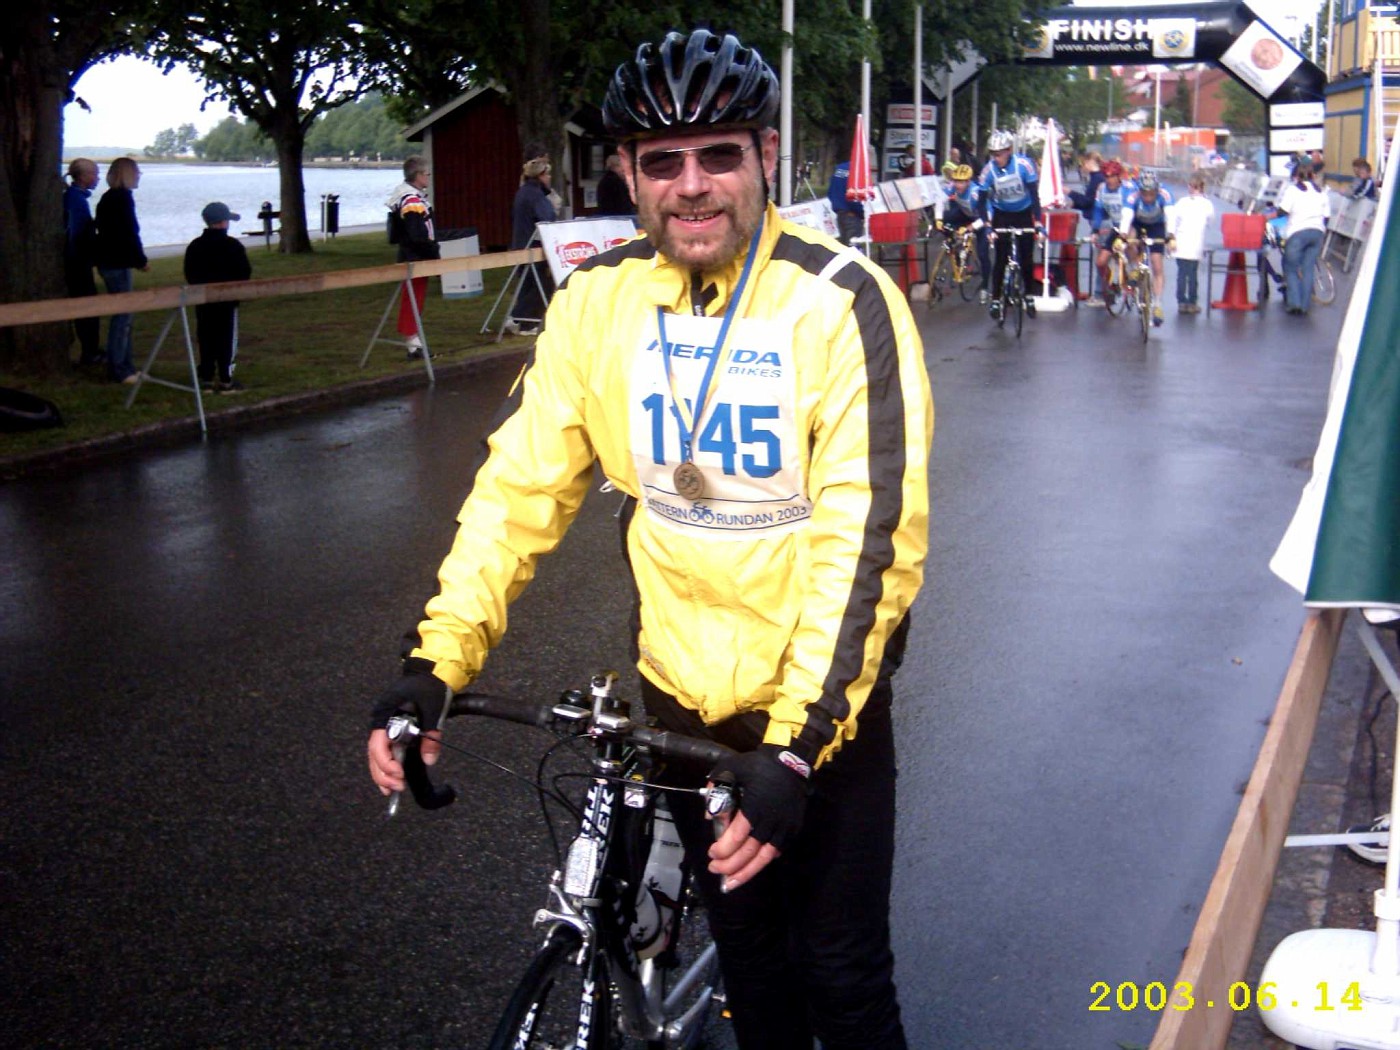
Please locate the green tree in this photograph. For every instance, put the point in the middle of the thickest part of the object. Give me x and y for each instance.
(1244, 112)
(281, 65)
(164, 145)
(233, 140)
(45, 47)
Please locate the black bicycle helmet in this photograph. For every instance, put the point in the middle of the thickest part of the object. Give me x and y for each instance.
(690, 81)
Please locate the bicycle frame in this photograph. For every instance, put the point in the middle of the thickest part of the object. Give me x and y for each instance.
(593, 906)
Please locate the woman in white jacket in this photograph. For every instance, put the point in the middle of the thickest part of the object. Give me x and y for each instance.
(1308, 210)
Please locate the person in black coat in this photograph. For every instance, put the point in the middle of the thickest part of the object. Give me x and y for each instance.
(80, 254)
(119, 252)
(530, 207)
(211, 258)
(614, 198)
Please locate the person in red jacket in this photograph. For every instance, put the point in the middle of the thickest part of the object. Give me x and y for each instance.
(412, 219)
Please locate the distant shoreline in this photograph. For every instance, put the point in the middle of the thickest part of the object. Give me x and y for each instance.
(107, 154)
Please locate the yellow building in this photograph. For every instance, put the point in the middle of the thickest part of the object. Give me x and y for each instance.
(1365, 33)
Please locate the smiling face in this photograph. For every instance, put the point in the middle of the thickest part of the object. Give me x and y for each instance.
(701, 220)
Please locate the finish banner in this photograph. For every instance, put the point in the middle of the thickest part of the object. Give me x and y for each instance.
(1117, 41)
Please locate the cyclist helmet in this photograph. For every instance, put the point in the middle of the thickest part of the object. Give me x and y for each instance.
(700, 80)
(962, 173)
(1148, 181)
(1112, 169)
(948, 168)
(998, 140)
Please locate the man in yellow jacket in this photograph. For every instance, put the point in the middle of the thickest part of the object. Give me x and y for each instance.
(759, 392)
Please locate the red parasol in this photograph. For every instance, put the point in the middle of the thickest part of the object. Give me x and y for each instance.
(859, 186)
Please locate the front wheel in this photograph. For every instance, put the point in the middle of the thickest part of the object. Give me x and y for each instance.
(971, 278)
(1324, 284)
(1016, 298)
(560, 1003)
(1144, 297)
(1115, 296)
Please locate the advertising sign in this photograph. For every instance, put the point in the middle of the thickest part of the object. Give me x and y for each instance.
(897, 138)
(815, 214)
(903, 113)
(1261, 58)
(461, 284)
(1099, 39)
(1294, 140)
(566, 244)
(1297, 114)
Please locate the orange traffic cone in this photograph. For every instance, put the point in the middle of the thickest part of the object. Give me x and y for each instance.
(1236, 287)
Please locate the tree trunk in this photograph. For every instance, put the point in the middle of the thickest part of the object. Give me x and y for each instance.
(290, 139)
(31, 199)
(535, 94)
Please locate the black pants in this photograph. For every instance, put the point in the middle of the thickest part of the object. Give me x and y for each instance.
(216, 325)
(80, 281)
(1025, 247)
(805, 946)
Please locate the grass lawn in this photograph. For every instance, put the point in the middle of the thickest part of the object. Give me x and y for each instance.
(286, 345)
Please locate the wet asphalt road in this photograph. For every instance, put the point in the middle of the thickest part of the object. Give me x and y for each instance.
(192, 852)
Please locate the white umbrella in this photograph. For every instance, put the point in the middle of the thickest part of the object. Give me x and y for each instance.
(1052, 195)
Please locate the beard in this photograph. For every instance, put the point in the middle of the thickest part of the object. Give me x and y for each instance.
(667, 233)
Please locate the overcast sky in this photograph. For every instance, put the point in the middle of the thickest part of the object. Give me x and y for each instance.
(132, 101)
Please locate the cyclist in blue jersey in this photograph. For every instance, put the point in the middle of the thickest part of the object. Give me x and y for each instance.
(1146, 210)
(963, 207)
(1010, 188)
(1108, 210)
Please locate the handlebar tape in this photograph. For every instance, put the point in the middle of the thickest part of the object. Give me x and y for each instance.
(424, 793)
(677, 745)
(504, 708)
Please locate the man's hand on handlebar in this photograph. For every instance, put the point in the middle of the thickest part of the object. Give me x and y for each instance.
(773, 786)
(419, 693)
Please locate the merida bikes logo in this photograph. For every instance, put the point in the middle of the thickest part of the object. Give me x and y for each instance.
(765, 363)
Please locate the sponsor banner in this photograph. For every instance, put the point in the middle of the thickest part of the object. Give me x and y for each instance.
(1296, 114)
(1261, 58)
(566, 244)
(461, 284)
(903, 113)
(897, 138)
(815, 214)
(1294, 140)
(1099, 40)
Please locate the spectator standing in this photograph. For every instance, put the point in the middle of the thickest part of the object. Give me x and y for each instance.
(212, 258)
(1307, 209)
(119, 252)
(80, 254)
(614, 198)
(531, 207)
(1189, 220)
(906, 163)
(850, 215)
(1364, 186)
(417, 241)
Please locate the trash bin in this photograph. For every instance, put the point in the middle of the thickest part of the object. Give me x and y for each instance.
(267, 215)
(330, 214)
(1061, 225)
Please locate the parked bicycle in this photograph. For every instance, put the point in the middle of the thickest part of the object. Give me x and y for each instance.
(1324, 290)
(956, 263)
(622, 957)
(1013, 302)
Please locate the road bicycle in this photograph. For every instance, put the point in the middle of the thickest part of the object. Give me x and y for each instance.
(1013, 283)
(1138, 293)
(623, 961)
(1324, 290)
(956, 263)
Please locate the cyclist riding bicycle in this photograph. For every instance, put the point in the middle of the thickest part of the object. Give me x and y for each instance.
(1010, 188)
(1112, 194)
(1147, 211)
(758, 393)
(962, 209)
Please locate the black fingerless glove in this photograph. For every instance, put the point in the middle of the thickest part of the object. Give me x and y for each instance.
(773, 788)
(419, 692)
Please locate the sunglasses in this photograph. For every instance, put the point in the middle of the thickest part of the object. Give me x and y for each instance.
(663, 165)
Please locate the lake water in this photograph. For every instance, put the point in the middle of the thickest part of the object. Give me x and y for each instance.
(171, 196)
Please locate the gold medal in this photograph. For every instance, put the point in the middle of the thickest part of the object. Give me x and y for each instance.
(690, 483)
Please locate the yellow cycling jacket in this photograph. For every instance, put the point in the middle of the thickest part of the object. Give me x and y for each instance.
(779, 587)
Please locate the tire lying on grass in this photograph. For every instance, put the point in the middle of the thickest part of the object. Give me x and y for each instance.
(20, 411)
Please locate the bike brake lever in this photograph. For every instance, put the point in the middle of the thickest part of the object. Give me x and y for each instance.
(404, 736)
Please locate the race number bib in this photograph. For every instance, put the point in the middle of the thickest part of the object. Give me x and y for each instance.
(1009, 186)
(745, 441)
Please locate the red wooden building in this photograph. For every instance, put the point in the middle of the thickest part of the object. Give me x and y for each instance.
(473, 147)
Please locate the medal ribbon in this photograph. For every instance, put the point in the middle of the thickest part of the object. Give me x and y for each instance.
(689, 426)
